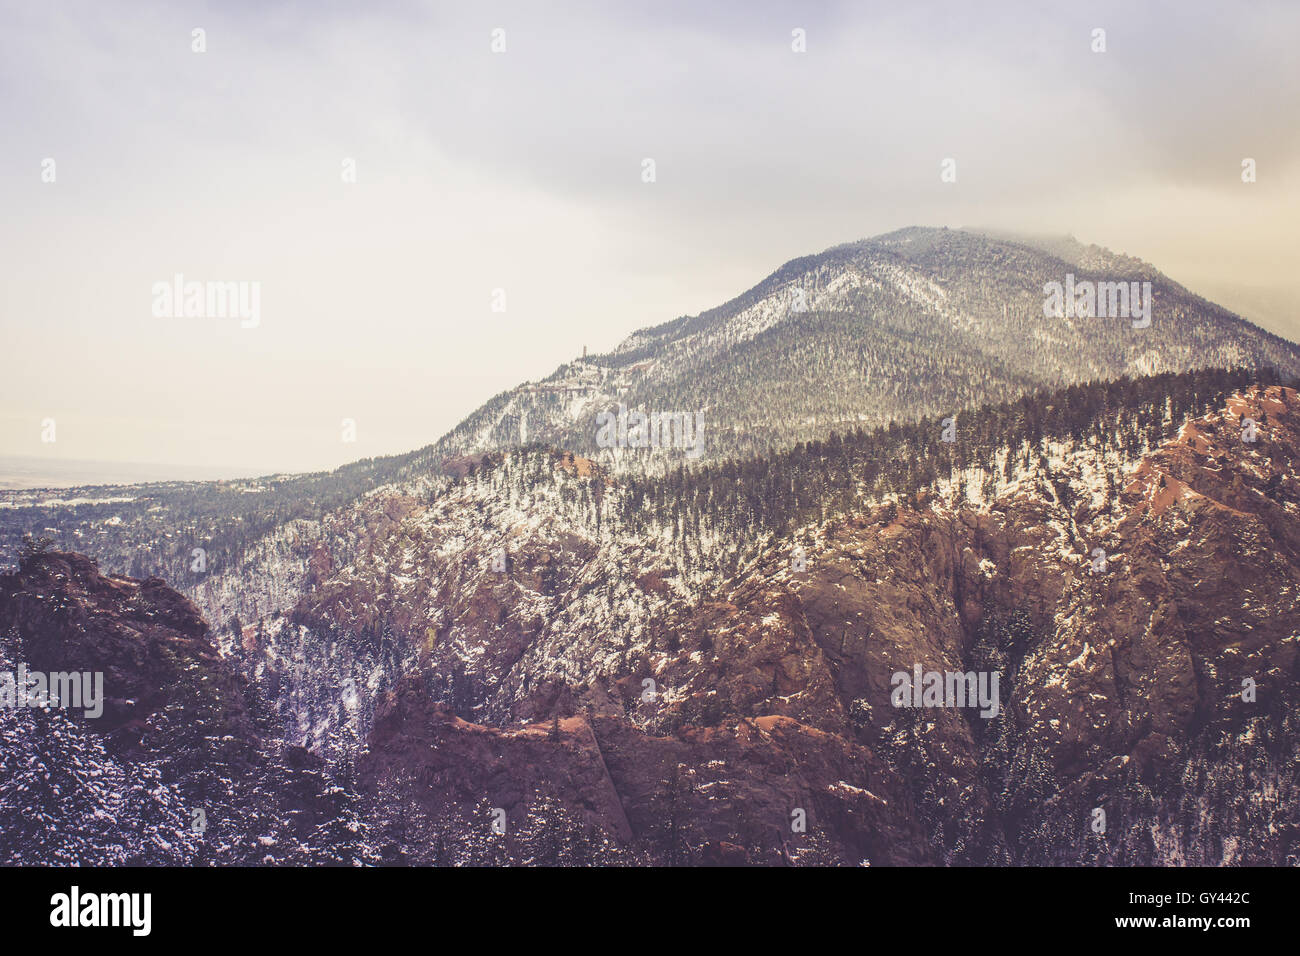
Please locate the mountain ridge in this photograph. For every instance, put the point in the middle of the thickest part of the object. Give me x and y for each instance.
(769, 687)
(914, 322)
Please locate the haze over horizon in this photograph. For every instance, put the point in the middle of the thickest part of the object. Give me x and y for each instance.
(521, 170)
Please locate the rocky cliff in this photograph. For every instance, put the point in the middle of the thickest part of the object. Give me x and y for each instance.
(535, 683)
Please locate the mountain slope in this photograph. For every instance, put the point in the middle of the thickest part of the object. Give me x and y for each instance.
(1122, 688)
(670, 661)
(917, 322)
(178, 769)
(621, 695)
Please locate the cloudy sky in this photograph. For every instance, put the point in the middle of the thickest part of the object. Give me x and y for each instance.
(521, 170)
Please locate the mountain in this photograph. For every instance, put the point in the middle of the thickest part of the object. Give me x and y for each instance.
(179, 767)
(1159, 686)
(626, 657)
(913, 324)
(918, 322)
(616, 692)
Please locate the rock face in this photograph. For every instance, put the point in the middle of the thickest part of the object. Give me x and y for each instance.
(148, 640)
(545, 689)
(1147, 705)
(175, 770)
(609, 792)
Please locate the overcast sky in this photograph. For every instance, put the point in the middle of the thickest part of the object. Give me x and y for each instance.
(522, 170)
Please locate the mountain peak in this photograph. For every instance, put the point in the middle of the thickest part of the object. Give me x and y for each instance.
(916, 322)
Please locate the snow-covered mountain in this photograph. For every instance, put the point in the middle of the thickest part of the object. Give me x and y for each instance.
(641, 657)
(664, 669)
(913, 323)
